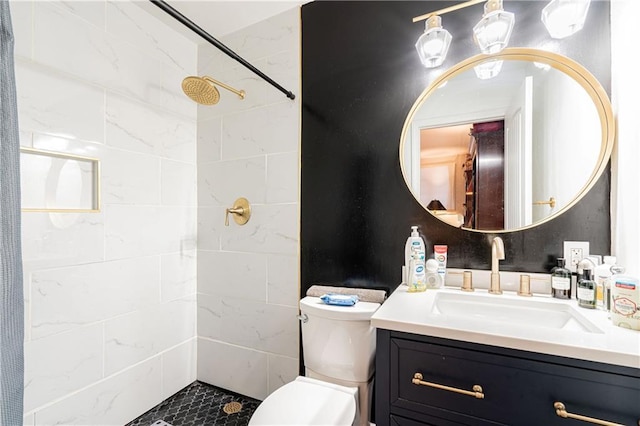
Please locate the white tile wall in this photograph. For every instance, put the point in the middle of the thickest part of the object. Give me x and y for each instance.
(113, 401)
(133, 125)
(282, 370)
(265, 327)
(282, 280)
(58, 365)
(240, 275)
(141, 334)
(221, 182)
(69, 297)
(248, 275)
(274, 228)
(179, 366)
(270, 131)
(178, 275)
(110, 296)
(236, 368)
(58, 104)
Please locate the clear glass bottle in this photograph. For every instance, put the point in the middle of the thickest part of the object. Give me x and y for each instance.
(561, 281)
(587, 290)
(585, 263)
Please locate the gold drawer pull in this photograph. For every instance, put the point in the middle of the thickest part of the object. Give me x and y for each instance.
(562, 412)
(477, 389)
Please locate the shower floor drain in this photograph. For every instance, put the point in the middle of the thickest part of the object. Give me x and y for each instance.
(232, 407)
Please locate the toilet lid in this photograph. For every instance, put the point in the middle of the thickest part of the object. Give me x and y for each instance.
(307, 401)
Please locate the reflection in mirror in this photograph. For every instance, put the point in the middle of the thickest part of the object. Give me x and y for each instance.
(506, 152)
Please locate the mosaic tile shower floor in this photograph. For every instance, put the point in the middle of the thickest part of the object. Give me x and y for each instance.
(199, 404)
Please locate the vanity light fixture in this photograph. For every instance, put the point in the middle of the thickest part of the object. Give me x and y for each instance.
(493, 31)
(565, 17)
(433, 45)
(561, 17)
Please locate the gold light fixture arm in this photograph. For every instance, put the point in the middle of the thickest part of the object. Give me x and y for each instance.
(551, 202)
(447, 10)
(240, 93)
(561, 411)
(241, 212)
(477, 389)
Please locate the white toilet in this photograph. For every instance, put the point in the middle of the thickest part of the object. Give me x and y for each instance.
(339, 347)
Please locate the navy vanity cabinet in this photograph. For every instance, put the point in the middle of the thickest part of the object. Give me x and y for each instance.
(517, 388)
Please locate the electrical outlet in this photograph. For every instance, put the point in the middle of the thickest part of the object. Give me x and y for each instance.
(574, 252)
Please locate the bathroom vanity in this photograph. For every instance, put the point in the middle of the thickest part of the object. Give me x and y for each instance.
(446, 357)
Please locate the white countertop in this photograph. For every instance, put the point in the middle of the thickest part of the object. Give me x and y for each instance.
(415, 313)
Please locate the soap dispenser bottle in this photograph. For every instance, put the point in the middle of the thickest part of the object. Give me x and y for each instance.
(414, 244)
(417, 276)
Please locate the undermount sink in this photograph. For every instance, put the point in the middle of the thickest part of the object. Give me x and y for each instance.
(512, 311)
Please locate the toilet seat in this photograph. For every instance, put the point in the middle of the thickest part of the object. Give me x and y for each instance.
(307, 401)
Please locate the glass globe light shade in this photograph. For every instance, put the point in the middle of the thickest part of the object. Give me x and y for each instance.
(563, 18)
(433, 45)
(493, 31)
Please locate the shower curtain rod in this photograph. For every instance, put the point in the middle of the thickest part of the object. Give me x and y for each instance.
(205, 35)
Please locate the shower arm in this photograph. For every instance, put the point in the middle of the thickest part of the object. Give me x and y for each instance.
(240, 93)
(205, 35)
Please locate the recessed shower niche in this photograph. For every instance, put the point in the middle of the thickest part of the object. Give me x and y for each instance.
(59, 182)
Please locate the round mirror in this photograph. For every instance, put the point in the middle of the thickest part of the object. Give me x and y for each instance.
(507, 141)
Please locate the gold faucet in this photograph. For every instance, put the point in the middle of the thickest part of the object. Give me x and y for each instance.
(497, 254)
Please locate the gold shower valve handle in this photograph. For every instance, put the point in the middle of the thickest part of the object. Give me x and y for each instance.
(241, 212)
(561, 411)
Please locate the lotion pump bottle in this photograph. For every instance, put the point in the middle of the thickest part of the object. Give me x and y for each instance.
(415, 244)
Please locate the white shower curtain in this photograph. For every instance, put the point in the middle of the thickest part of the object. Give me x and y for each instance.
(11, 298)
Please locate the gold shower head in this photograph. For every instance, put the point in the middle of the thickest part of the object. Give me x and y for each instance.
(203, 89)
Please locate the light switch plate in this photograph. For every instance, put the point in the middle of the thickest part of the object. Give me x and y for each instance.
(574, 252)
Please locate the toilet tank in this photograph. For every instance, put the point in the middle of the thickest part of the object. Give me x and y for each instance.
(339, 341)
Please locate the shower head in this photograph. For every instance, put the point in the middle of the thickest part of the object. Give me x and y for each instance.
(203, 89)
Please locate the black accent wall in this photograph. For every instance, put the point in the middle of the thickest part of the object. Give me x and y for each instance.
(360, 77)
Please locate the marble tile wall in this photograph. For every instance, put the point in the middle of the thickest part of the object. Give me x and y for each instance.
(110, 297)
(248, 276)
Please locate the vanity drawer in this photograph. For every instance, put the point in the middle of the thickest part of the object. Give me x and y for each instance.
(516, 391)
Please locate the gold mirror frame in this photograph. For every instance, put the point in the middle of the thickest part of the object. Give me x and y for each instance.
(570, 67)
